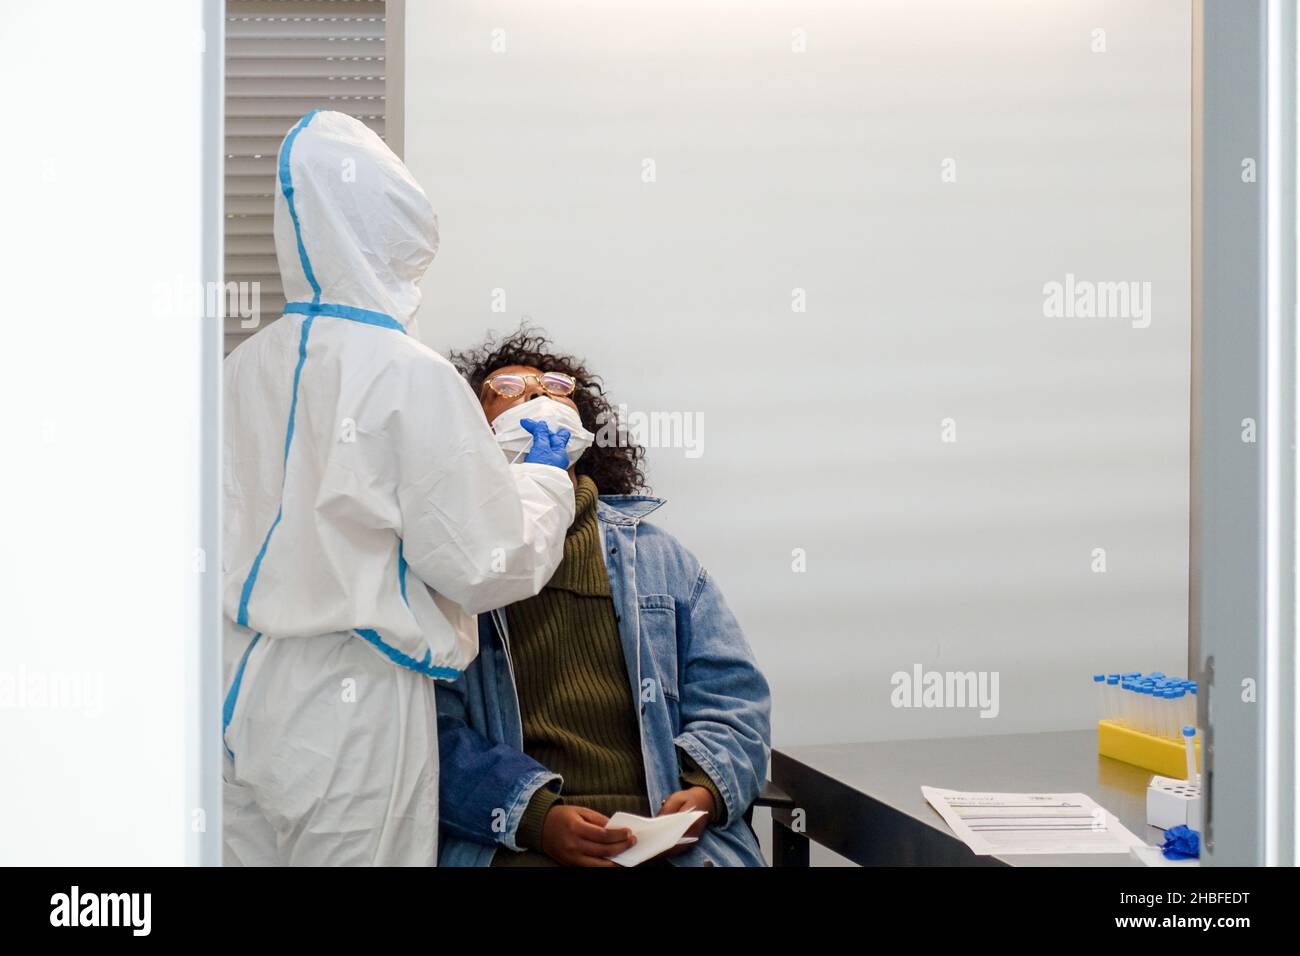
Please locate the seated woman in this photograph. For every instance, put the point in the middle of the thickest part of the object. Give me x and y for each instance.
(625, 685)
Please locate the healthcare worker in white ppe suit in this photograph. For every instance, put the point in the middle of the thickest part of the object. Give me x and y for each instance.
(369, 514)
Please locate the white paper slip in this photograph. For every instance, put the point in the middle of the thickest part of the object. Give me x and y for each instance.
(1007, 823)
(653, 834)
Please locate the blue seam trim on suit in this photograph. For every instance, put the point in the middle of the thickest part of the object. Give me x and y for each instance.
(401, 571)
(349, 312)
(251, 580)
(410, 663)
(228, 708)
(286, 186)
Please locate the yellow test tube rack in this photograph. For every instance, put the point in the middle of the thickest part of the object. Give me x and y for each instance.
(1157, 754)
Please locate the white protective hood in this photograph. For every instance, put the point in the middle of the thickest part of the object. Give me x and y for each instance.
(371, 231)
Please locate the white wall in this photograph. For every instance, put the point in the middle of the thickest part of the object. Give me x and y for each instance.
(821, 171)
(99, 382)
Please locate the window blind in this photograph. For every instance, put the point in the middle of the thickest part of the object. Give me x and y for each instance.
(283, 59)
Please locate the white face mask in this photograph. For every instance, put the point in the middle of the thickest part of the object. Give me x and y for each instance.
(515, 440)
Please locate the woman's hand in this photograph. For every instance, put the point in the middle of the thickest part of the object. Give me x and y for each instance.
(692, 798)
(576, 836)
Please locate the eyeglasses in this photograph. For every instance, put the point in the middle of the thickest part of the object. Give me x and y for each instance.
(512, 384)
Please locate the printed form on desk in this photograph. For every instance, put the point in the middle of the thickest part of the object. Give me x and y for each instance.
(1010, 823)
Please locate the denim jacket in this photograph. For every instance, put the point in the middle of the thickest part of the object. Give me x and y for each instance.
(688, 664)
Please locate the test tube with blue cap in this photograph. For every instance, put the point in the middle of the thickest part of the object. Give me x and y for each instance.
(1127, 708)
(1189, 745)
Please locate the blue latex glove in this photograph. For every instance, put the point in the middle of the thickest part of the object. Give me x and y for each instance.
(547, 449)
(1181, 843)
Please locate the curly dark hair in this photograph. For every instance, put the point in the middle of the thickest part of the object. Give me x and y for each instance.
(616, 467)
